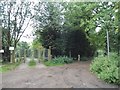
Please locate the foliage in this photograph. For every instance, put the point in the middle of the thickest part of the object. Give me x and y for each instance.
(21, 48)
(23, 45)
(59, 61)
(78, 44)
(105, 19)
(107, 69)
(9, 66)
(36, 44)
(48, 24)
(32, 63)
(60, 33)
(62, 59)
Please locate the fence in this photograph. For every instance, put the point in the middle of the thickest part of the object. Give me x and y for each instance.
(39, 54)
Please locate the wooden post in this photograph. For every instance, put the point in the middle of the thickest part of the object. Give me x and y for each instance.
(39, 56)
(24, 56)
(19, 55)
(78, 58)
(70, 54)
(32, 54)
(43, 54)
(49, 53)
(11, 56)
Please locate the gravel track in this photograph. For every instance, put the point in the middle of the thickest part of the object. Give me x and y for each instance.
(75, 75)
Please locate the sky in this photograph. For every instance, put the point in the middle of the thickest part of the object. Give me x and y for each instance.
(27, 36)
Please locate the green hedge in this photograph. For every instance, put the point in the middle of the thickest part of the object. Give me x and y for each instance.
(107, 69)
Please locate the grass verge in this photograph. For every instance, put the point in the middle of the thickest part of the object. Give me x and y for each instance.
(9, 66)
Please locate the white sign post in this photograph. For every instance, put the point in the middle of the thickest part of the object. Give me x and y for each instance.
(11, 50)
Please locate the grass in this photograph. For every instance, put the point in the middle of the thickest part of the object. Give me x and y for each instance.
(32, 63)
(9, 66)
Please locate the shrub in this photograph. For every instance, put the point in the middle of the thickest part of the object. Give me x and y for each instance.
(62, 60)
(107, 69)
(59, 61)
(84, 58)
(32, 63)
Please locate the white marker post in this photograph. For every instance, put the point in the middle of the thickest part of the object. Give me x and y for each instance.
(11, 50)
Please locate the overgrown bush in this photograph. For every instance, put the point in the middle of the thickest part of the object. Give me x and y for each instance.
(107, 69)
(59, 61)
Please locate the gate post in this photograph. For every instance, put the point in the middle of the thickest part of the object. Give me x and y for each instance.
(43, 54)
(78, 58)
(49, 53)
(32, 52)
(24, 55)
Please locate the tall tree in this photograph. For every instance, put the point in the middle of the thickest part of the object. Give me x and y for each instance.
(78, 18)
(15, 17)
(105, 19)
(49, 21)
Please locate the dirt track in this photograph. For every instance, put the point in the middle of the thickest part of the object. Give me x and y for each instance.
(75, 75)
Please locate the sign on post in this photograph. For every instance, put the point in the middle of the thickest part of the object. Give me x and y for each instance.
(1, 51)
(11, 48)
